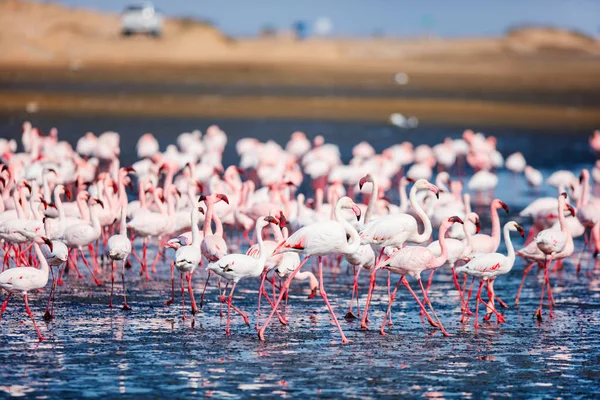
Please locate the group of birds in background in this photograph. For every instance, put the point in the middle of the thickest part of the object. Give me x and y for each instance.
(285, 205)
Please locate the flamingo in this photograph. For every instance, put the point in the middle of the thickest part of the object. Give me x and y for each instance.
(320, 239)
(25, 279)
(187, 259)
(56, 256)
(234, 267)
(119, 248)
(412, 261)
(487, 267)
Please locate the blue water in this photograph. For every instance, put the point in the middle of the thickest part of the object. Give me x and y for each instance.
(94, 351)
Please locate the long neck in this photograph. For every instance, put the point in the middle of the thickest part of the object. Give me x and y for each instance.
(354, 244)
(469, 247)
(59, 205)
(142, 194)
(18, 207)
(83, 210)
(94, 219)
(123, 222)
(443, 257)
(195, 230)
(208, 217)
(372, 202)
(218, 225)
(46, 187)
(495, 226)
(43, 262)
(585, 190)
(509, 246)
(561, 216)
(467, 203)
(420, 238)
(263, 253)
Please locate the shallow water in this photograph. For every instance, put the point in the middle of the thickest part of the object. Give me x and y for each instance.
(94, 351)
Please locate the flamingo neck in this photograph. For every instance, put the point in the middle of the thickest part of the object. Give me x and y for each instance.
(495, 226)
(194, 215)
(352, 246)
(561, 216)
(509, 245)
(585, 189)
(142, 194)
(123, 222)
(208, 217)
(43, 262)
(94, 219)
(372, 201)
(18, 208)
(469, 246)
(262, 259)
(443, 257)
(427, 228)
(83, 209)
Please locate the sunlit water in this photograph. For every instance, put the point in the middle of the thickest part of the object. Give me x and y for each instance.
(94, 351)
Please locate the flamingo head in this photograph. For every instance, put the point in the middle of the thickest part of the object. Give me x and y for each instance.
(423, 184)
(477, 225)
(571, 209)
(44, 240)
(202, 198)
(500, 204)
(271, 220)
(364, 179)
(222, 197)
(455, 219)
(519, 229)
(282, 219)
(240, 171)
(96, 200)
(201, 210)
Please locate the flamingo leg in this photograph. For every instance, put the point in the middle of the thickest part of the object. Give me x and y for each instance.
(229, 300)
(363, 322)
(85, 261)
(324, 296)
(125, 305)
(4, 305)
(182, 298)
(426, 298)
(525, 272)
(48, 315)
(112, 282)
(389, 309)
(389, 287)
(195, 309)
(350, 315)
(405, 283)
(539, 311)
(204, 290)
(172, 300)
(477, 300)
(286, 284)
(457, 285)
(30, 314)
(550, 297)
(587, 238)
(260, 290)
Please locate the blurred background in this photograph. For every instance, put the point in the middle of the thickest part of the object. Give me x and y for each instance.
(454, 64)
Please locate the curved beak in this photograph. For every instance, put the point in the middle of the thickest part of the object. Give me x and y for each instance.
(571, 209)
(357, 212)
(201, 198)
(282, 220)
(223, 198)
(271, 219)
(48, 242)
(521, 230)
(455, 219)
(201, 210)
(98, 201)
(504, 206)
(362, 181)
(477, 226)
(68, 194)
(435, 190)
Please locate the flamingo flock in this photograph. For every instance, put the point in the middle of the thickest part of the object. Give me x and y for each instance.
(281, 208)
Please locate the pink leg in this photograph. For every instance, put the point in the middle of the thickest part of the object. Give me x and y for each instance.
(431, 308)
(48, 315)
(30, 314)
(324, 296)
(389, 309)
(286, 285)
(550, 297)
(457, 285)
(172, 300)
(182, 298)
(125, 305)
(204, 290)
(363, 322)
(260, 290)
(112, 282)
(4, 305)
(90, 269)
(477, 300)
(525, 272)
(405, 283)
(94, 258)
(191, 292)
(350, 315)
(227, 330)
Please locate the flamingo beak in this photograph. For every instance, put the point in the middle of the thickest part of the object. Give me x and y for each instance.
(129, 169)
(201, 198)
(435, 190)
(411, 180)
(455, 219)
(477, 226)
(571, 209)
(282, 220)
(581, 178)
(362, 182)
(240, 171)
(520, 229)
(356, 211)
(223, 198)
(272, 220)
(564, 194)
(98, 201)
(68, 194)
(504, 206)
(48, 242)
(201, 210)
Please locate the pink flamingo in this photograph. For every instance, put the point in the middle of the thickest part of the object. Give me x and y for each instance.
(412, 261)
(320, 239)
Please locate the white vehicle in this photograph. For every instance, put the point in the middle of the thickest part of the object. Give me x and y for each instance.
(143, 19)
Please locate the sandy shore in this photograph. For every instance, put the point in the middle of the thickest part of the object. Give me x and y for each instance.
(44, 43)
